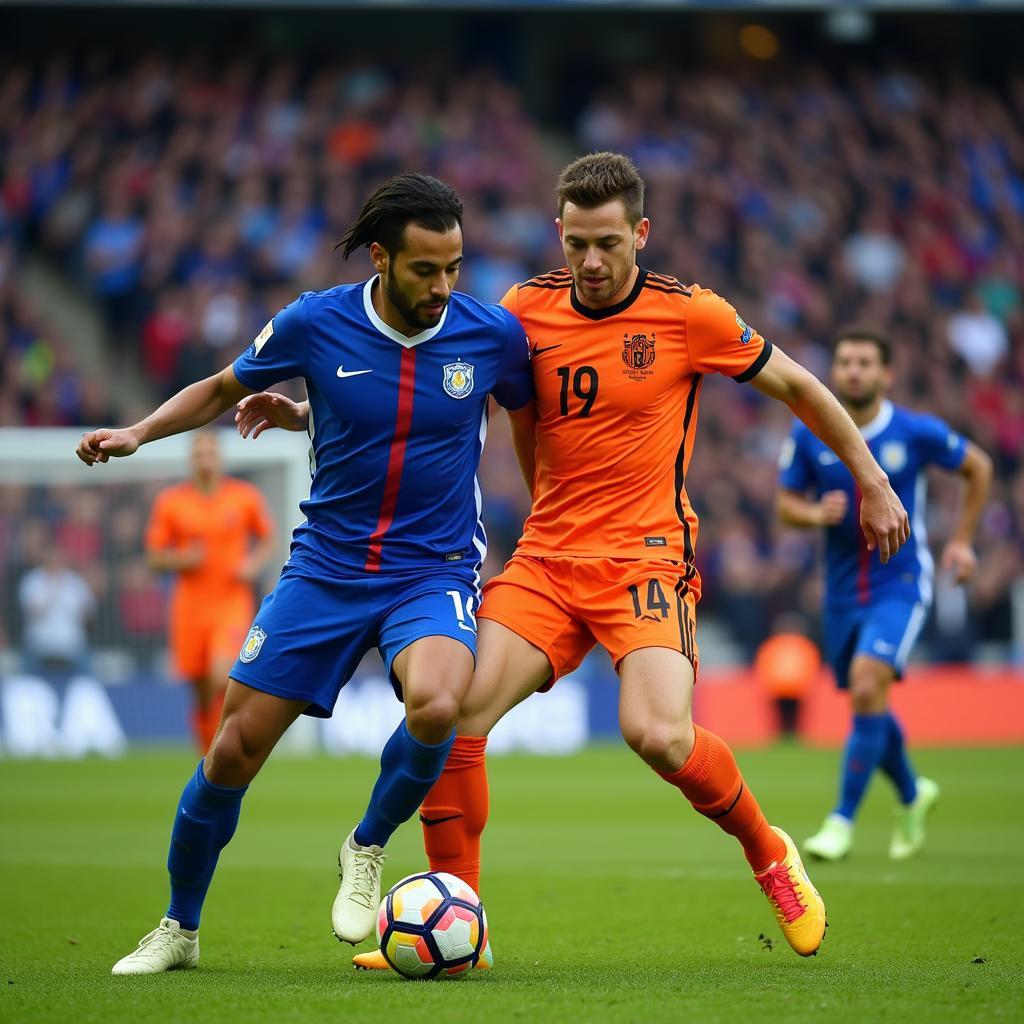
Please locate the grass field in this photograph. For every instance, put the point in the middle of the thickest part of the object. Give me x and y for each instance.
(609, 899)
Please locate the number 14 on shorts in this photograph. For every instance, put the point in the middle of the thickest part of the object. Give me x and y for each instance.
(464, 610)
(657, 605)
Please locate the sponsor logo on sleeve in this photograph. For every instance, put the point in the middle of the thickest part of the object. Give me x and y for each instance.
(748, 332)
(263, 337)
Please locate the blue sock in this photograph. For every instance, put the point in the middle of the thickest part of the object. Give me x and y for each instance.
(864, 750)
(408, 771)
(205, 822)
(896, 761)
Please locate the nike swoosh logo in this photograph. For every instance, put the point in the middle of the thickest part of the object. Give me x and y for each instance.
(430, 822)
(540, 351)
(351, 373)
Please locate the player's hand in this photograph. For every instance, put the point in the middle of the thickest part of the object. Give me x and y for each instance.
(832, 508)
(959, 558)
(883, 520)
(191, 556)
(100, 445)
(247, 571)
(268, 409)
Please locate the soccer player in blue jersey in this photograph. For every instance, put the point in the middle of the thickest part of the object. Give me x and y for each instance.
(399, 370)
(874, 611)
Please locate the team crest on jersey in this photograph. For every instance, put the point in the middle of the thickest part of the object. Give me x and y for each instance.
(638, 355)
(253, 645)
(458, 379)
(893, 456)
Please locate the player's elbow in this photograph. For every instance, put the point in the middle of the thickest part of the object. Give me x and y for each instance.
(978, 465)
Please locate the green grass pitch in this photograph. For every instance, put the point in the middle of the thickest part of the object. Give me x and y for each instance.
(609, 899)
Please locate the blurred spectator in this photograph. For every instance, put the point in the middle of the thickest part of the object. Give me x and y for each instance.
(192, 199)
(978, 337)
(56, 606)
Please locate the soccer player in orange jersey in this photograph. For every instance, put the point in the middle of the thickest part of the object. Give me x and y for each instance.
(214, 533)
(607, 553)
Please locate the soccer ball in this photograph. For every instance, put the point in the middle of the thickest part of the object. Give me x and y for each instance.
(431, 925)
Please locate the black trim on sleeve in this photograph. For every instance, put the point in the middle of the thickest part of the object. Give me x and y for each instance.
(757, 365)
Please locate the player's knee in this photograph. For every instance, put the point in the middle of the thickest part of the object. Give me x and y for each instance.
(867, 692)
(665, 746)
(235, 755)
(432, 718)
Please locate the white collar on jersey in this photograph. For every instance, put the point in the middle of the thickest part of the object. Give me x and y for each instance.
(874, 427)
(390, 332)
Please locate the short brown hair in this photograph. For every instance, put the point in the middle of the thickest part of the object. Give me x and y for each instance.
(858, 333)
(597, 178)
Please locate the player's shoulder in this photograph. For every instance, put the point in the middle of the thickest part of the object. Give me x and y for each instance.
(911, 422)
(338, 295)
(552, 290)
(665, 284)
(174, 494)
(489, 320)
(465, 306)
(235, 487)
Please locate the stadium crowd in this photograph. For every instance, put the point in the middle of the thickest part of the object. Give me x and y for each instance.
(191, 200)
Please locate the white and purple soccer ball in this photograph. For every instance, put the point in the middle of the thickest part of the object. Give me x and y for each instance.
(431, 925)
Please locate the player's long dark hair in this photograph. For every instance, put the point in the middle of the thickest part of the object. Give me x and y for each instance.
(404, 199)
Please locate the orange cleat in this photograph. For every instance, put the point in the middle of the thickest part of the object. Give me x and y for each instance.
(799, 908)
(374, 960)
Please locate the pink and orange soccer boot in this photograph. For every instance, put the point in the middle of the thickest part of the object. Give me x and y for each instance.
(374, 960)
(799, 908)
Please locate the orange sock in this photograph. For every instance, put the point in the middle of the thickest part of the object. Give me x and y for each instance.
(206, 722)
(454, 812)
(712, 782)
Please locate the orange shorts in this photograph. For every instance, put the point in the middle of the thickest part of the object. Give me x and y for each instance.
(205, 638)
(565, 605)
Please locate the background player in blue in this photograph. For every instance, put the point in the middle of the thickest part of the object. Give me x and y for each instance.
(874, 612)
(398, 371)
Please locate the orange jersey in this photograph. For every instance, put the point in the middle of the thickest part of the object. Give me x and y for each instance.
(617, 396)
(225, 523)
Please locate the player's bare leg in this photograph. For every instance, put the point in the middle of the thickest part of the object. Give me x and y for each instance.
(435, 673)
(509, 669)
(207, 815)
(655, 715)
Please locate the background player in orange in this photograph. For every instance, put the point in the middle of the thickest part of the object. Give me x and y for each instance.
(215, 534)
(607, 553)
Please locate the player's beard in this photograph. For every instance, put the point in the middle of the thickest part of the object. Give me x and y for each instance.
(407, 310)
(861, 401)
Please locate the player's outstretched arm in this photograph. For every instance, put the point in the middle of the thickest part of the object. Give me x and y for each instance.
(794, 509)
(268, 409)
(192, 407)
(882, 515)
(958, 555)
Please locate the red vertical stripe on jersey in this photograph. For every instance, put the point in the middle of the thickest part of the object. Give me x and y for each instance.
(863, 557)
(396, 459)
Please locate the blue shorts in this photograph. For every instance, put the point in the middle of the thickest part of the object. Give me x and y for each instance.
(310, 634)
(885, 630)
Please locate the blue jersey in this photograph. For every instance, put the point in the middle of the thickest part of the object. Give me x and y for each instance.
(904, 443)
(397, 425)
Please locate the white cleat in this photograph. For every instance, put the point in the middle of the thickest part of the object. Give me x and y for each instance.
(832, 841)
(354, 913)
(909, 834)
(166, 948)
